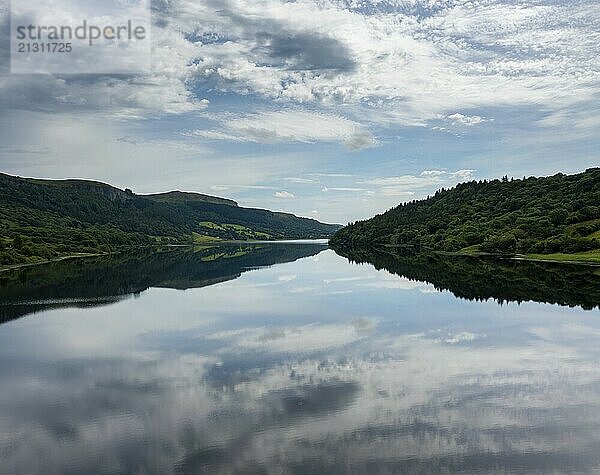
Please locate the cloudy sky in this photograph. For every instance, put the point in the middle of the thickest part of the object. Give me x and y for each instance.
(335, 109)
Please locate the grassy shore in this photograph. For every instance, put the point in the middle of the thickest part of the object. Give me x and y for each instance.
(589, 257)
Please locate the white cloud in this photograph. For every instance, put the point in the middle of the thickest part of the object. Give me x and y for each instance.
(432, 172)
(241, 187)
(400, 283)
(284, 195)
(412, 181)
(408, 186)
(391, 191)
(463, 337)
(463, 175)
(341, 188)
(395, 62)
(304, 181)
(460, 119)
(289, 126)
(402, 66)
(427, 178)
(295, 339)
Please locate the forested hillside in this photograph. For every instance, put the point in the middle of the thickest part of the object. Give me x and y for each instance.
(557, 214)
(43, 219)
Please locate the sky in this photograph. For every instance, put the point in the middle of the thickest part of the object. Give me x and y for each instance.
(332, 109)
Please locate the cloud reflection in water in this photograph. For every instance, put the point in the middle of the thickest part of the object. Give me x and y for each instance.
(244, 376)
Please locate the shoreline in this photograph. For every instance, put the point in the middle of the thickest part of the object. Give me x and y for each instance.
(526, 258)
(480, 255)
(556, 258)
(13, 267)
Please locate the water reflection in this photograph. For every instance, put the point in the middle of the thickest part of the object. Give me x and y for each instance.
(105, 280)
(315, 365)
(501, 280)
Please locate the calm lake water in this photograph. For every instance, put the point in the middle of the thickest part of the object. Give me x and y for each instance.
(287, 358)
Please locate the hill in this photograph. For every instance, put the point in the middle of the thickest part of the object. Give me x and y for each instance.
(45, 219)
(181, 197)
(557, 215)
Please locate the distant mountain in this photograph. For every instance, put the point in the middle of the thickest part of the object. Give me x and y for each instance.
(44, 219)
(557, 216)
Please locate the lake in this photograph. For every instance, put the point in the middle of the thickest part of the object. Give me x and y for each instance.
(289, 358)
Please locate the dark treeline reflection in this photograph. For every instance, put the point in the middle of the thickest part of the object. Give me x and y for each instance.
(502, 280)
(108, 279)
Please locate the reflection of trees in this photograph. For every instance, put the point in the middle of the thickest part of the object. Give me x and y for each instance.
(502, 280)
(104, 280)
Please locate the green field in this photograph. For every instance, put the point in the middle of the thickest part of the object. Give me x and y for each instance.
(590, 256)
(232, 231)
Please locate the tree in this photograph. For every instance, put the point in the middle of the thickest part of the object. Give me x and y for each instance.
(503, 244)
(18, 242)
(558, 216)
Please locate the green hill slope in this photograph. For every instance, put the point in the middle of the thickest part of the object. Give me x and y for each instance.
(44, 219)
(182, 197)
(554, 215)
